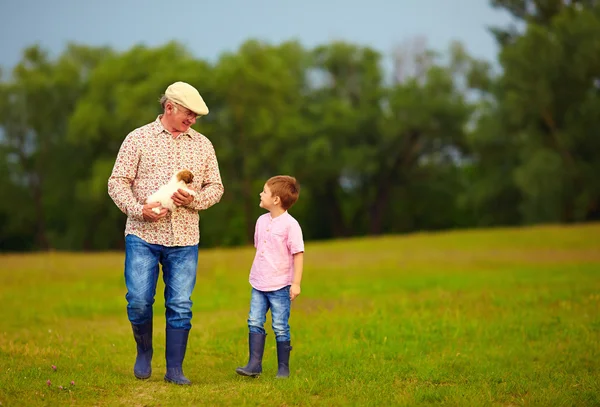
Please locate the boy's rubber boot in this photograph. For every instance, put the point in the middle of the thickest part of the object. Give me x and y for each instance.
(143, 362)
(283, 359)
(256, 343)
(176, 344)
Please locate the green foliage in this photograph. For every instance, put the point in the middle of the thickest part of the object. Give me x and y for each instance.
(440, 142)
(535, 144)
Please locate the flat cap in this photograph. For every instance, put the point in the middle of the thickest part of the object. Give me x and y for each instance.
(187, 96)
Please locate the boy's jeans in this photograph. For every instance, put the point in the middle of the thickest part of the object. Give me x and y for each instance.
(279, 302)
(141, 275)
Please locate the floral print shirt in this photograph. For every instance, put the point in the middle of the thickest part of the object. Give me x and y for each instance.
(147, 159)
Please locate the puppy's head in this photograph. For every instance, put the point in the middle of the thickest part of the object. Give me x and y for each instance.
(186, 176)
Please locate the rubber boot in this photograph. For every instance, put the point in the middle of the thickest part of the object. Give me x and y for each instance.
(256, 343)
(176, 344)
(143, 338)
(283, 359)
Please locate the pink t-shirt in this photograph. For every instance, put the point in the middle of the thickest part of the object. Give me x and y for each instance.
(276, 241)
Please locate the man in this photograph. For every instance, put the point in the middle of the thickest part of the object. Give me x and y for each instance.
(147, 159)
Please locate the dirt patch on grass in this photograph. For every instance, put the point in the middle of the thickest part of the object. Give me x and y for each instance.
(313, 305)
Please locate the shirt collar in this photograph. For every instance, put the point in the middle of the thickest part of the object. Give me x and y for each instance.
(284, 214)
(159, 128)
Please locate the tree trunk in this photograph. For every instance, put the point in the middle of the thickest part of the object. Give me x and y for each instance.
(406, 156)
(41, 235)
(248, 206)
(334, 211)
(379, 207)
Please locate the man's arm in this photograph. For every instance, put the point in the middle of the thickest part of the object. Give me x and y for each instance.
(123, 174)
(212, 186)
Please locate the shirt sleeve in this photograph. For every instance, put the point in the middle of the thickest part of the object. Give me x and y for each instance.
(295, 239)
(256, 234)
(212, 186)
(121, 179)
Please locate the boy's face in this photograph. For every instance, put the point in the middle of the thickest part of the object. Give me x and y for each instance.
(267, 200)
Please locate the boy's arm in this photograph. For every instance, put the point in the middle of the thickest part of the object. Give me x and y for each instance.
(256, 234)
(298, 264)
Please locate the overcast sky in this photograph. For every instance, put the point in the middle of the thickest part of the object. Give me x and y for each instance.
(209, 28)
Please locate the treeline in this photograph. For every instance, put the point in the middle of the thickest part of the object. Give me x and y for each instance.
(439, 141)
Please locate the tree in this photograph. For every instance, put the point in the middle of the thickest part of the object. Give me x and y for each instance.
(257, 123)
(548, 98)
(34, 116)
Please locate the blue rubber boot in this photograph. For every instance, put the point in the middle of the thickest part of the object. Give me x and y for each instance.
(283, 359)
(176, 345)
(256, 343)
(143, 362)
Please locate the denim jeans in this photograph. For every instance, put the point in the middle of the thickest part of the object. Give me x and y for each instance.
(279, 302)
(179, 266)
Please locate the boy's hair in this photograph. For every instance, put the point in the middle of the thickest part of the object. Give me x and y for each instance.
(286, 188)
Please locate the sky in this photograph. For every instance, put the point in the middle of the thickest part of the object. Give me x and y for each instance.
(208, 29)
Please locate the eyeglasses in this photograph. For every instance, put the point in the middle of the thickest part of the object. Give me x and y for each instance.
(187, 112)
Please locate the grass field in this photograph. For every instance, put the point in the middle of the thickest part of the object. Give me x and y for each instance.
(493, 317)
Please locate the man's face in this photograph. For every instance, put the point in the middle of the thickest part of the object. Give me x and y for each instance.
(180, 118)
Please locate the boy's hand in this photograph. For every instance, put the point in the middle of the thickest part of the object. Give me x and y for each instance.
(294, 291)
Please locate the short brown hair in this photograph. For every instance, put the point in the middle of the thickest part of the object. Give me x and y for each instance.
(286, 188)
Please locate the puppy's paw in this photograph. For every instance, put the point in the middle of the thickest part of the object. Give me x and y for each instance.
(156, 210)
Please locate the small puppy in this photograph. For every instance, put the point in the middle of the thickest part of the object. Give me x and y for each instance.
(180, 180)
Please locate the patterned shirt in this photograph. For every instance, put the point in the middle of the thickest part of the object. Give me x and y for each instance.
(276, 241)
(147, 159)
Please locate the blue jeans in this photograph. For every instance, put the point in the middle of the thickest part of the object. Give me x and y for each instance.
(179, 266)
(279, 302)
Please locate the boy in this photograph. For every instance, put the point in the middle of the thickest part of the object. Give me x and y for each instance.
(276, 273)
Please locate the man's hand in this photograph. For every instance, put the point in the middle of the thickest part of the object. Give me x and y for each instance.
(182, 198)
(294, 291)
(150, 215)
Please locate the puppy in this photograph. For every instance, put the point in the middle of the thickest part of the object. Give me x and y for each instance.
(180, 180)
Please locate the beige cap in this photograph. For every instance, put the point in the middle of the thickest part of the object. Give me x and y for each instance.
(187, 96)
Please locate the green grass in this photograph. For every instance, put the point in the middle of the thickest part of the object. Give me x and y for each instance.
(493, 317)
